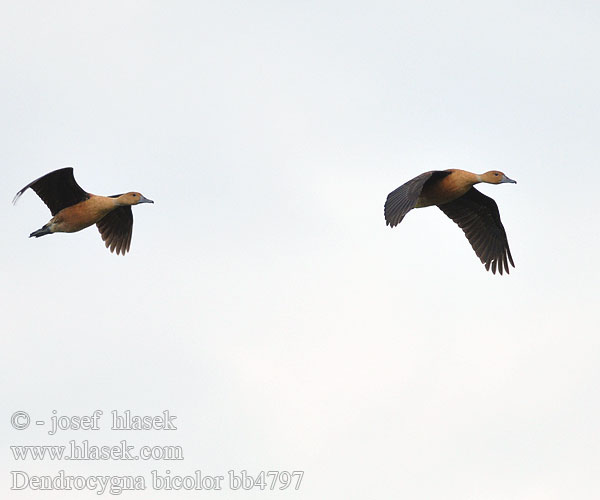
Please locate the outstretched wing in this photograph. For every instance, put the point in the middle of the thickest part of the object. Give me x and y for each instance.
(116, 229)
(57, 190)
(479, 218)
(402, 200)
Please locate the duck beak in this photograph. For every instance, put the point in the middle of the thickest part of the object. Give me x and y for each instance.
(506, 179)
(143, 199)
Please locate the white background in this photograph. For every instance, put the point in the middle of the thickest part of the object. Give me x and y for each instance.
(264, 301)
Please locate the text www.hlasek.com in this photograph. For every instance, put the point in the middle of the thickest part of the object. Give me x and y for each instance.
(86, 451)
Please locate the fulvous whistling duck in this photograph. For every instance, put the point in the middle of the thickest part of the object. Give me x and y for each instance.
(453, 192)
(73, 209)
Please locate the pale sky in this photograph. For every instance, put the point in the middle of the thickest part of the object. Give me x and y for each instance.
(264, 301)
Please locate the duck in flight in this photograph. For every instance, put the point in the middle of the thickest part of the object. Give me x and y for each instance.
(453, 192)
(74, 209)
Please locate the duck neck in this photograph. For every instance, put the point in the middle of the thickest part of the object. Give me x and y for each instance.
(467, 179)
(119, 201)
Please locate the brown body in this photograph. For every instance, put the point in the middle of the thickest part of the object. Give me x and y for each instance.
(84, 214)
(447, 188)
(452, 192)
(73, 209)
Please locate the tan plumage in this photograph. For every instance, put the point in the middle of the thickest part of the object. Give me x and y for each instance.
(73, 209)
(453, 193)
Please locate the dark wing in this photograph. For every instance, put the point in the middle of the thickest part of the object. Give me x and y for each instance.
(402, 200)
(57, 190)
(479, 218)
(116, 229)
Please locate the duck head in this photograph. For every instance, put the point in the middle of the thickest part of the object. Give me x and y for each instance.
(495, 177)
(133, 198)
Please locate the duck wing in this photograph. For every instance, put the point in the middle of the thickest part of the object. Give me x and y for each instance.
(479, 218)
(403, 199)
(116, 229)
(57, 190)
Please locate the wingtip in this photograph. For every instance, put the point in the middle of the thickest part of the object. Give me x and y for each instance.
(16, 198)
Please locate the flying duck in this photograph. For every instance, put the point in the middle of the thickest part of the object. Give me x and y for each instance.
(453, 192)
(74, 209)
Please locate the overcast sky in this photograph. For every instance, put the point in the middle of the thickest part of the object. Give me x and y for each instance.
(264, 301)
